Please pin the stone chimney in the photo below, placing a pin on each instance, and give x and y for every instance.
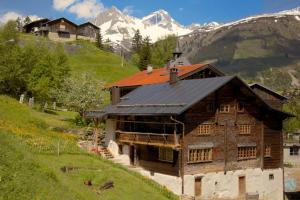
(173, 75)
(115, 95)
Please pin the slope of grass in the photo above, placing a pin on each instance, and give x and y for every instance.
(31, 165)
(85, 57)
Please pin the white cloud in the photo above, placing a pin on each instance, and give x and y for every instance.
(128, 10)
(86, 8)
(180, 9)
(9, 16)
(62, 4)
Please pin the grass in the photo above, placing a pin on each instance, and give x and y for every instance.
(103, 65)
(31, 167)
(85, 57)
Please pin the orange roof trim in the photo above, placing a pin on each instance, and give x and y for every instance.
(160, 75)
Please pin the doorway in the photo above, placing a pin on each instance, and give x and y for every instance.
(242, 185)
(198, 186)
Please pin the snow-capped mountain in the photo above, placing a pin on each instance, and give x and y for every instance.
(118, 26)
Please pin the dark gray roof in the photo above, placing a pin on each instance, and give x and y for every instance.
(171, 99)
(166, 99)
(257, 85)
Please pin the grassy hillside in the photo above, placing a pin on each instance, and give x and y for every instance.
(31, 166)
(85, 57)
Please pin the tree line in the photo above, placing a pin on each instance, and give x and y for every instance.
(145, 53)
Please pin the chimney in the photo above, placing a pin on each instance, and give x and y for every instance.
(149, 69)
(173, 75)
(115, 95)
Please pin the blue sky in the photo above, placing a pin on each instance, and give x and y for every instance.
(184, 11)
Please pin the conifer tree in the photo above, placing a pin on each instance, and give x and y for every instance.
(145, 54)
(19, 24)
(27, 20)
(99, 42)
(137, 41)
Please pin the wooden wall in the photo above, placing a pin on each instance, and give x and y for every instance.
(274, 138)
(87, 31)
(56, 27)
(225, 137)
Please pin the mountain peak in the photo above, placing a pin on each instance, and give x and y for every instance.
(161, 11)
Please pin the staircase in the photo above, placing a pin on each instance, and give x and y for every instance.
(105, 153)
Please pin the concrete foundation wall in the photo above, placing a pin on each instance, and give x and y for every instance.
(54, 36)
(220, 185)
(110, 137)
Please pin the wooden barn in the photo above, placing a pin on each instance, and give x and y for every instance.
(213, 137)
(87, 30)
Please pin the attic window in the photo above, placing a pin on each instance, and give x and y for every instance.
(224, 108)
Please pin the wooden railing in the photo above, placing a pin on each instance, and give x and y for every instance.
(154, 139)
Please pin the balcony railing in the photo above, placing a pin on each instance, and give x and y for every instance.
(153, 139)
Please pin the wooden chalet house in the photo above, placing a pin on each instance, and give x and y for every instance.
(62, 29)
(213, 137)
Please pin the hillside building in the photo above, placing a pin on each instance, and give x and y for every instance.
(209, 138)
(62, 30)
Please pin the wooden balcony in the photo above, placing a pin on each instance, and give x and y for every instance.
(152, 139)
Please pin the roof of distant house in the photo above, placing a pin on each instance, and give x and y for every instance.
(262, 87)
(44, 20)
(161, 75)
(89, 23)
(62, 18)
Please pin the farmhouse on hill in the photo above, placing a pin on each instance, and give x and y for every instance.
(211, 138)
(62, 29)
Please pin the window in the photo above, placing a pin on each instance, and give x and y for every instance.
(205, 129)
(62, 27)
(294, 151)
(271, 176)
(210, 107)
(240, 107)
(268, 151)
(224, 108)
(200, 155)
(165, 154)
(244, 129)
(246, 153)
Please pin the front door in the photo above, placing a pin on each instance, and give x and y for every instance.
(198, 186)
(242, 185)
